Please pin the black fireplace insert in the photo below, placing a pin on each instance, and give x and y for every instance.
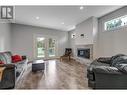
(84, 53)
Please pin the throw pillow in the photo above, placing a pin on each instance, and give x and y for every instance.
(16, 58)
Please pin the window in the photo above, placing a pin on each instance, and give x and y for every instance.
(115, 23)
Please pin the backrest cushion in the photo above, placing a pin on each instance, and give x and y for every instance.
(9, 53)
(2, 58)
(114, 59)
(8, 57)
(120, 60)
(5, 57)
(121, 63)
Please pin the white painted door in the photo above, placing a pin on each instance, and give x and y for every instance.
(45, 47)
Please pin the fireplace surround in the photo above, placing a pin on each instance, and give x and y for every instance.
(84, 51)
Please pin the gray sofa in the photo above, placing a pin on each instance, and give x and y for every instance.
(13, 71)
(108, 73)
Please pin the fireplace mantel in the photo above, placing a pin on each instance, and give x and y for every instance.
(83, 60)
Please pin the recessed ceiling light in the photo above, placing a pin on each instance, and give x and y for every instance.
(62, 23)
(37, 17)
(81, 8)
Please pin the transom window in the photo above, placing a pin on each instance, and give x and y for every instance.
(116, 23)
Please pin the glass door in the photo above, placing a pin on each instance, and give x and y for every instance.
(40, 47)
(45, 47)
(51, 47)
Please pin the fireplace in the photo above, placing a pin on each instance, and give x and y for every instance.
(83, 52)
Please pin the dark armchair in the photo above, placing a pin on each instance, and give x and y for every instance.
(68, 53)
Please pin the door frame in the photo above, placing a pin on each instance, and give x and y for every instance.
(46, 53)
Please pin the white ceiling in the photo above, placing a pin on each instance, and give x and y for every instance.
(54, 16)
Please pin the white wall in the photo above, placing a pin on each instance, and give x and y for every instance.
(5, 37)
(95, 38)
(72, 42)
(89, 28)
(112, 42)
(84, 28)
(22, 39)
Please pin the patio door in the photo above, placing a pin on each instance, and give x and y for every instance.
(45, 47)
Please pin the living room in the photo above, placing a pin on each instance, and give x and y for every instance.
(45, 33)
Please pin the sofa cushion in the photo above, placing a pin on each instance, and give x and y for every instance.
(120, 60)
(7, 55)
(115, 58)
(104, 60)
(20, 66)
(106, 70)
(3, 58)
(94, 64)
(122, 67)
(121, 63)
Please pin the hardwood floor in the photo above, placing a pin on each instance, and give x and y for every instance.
(57, 75)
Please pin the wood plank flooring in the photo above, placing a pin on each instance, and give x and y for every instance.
(57, 75)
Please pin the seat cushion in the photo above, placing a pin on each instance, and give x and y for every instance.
(106, 70)
(20, 66)
(122, 68)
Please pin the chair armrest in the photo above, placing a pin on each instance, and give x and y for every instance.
(104, 60)
(106, 70)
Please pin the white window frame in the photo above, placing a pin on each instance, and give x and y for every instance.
(122, 25)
